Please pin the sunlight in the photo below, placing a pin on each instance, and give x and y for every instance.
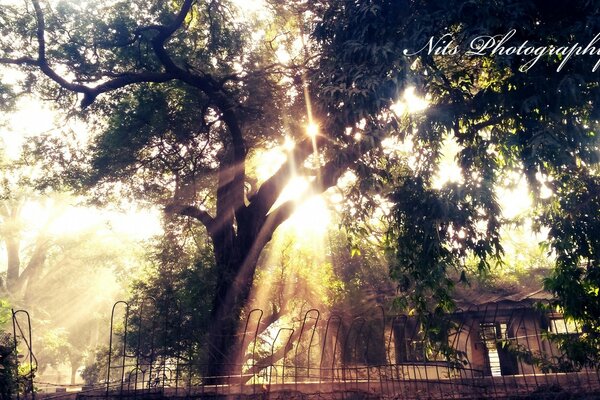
(251, 6)
(311, 219)
(448, 168)
(257, 10)
(294, 189)
(268, 162)
(312, 130)
(63, 219)
(288, 144)
(31, 118)
(410, 103)
(311, 216)
(516, 200)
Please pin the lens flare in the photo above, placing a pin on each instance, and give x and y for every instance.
(312, 129)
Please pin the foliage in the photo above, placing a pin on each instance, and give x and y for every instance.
(575, 280)
(95, 371)
(63, 271)
(8, 359)
(541, 123)
(169, 307)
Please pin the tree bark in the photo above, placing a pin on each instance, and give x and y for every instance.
(234, 283)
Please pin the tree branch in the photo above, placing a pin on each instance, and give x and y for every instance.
(269, 191)
(179, 19)
(205, 83)
(19, 61)
(190, 211)
(222, 100)
(272, 359)
(90, 93)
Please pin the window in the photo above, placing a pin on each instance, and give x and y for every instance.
(560, 325)
(490, 335)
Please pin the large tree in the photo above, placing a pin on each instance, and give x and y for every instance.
(183, 94)
(192, 97)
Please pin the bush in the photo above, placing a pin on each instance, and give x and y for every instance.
(8, 367)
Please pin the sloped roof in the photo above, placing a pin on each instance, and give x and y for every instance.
(528, 289)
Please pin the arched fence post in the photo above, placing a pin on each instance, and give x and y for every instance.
(25, 336)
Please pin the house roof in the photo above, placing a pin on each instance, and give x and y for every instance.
(526, 289)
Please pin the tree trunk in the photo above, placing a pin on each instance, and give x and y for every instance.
(234, 285)
(25, 283)
(14, 262)
(73, 373)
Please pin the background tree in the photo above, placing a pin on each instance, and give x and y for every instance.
(540, 123)
(63, 271)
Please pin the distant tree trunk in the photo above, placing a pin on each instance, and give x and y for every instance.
(75, 360)
(14, 262)
(33, 271)
(73, 373)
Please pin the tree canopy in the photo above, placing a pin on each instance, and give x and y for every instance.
(182, 95)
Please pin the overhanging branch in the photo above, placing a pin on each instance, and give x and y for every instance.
(190, 211)
(89, 92)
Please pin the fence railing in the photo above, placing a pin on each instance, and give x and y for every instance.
(22, 379)
(489, 351)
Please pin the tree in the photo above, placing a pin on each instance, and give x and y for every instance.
(534, 115)
(182, 98)
(24, 265)
(169, 306)
(187, 122)
(54, 265)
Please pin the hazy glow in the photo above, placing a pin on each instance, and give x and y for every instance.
(410, 103)
(293, 190)
(283, 56)
(448, 169)
(268, 162)
(311, 216)
(515, 201)
(289, 144)
(311, 219)
(251, 6)
(70, 220)
(32, 118)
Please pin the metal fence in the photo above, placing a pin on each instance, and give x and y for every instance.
(494, 350)
(25, 364)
